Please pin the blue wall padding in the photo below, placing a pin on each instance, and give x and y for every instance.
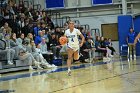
(101, 2)
(137, 30)
(124, 24)
(54, 3)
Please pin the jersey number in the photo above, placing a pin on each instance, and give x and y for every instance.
(72, 40)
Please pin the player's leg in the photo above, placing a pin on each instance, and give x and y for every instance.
(130, 51)
(69, 60)
(76, 55)
(134, 52)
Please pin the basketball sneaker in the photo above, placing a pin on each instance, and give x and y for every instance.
(31, 68)
(39, 68)
(69, 72)
(10, 63)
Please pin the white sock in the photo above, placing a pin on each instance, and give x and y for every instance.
(69, 69)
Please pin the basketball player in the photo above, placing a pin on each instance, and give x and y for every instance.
(73, 44)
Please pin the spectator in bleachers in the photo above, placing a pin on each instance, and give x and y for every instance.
(37, 28)
(45, 35)
(102, 42)
(27, 28)
(21, 21)
(24, 55)
(58, 33)
(111, 47)
(21, 39)
(7, 28)
(84, 52)
(90, 46)
(54, 45)
(33, 51)
(8, 52)
(3, 32)
(39, 50)
(99, 48)
(43, 46)
(6, 14)
(38, 38)
(14, 44)
(21, 7)
(36, 16)
(15, 8)
(44, 26)
(15, 25)
(6, 38)
(37, 55)
(83, 31)
(49, 22)
(29, 37)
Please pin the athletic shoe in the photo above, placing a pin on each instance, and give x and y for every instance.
(53, 65)
(39, 68)
(69, 72)
(10, 63)
(31, 68)
(111, 56)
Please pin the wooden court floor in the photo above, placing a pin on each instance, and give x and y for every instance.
(114, 77)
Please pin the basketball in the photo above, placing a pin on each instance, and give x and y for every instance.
(63, 40)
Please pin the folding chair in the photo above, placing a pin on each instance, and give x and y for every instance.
(124, 51)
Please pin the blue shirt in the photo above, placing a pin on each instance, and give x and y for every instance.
(131, 37)
(38, 39)
(97, 44)
(36, 30)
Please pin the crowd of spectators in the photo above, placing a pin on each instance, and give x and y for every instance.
(22, 26)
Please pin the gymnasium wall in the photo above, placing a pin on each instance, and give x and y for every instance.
(96, 21)
(124, 23)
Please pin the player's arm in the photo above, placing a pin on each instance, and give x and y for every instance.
(83, 39)
(136, 39)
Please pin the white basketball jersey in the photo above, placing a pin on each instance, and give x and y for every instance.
(73, 37)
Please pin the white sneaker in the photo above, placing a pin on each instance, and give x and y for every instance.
(55, 57)
(108, 59)
(39, 68)
(49, 66)
(54, 65)
(86, 60)
(69, 72)
(31, 68)
(44, 63)
(111, 56)
(10, 63)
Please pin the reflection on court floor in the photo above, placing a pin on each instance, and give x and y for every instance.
(113, 77)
